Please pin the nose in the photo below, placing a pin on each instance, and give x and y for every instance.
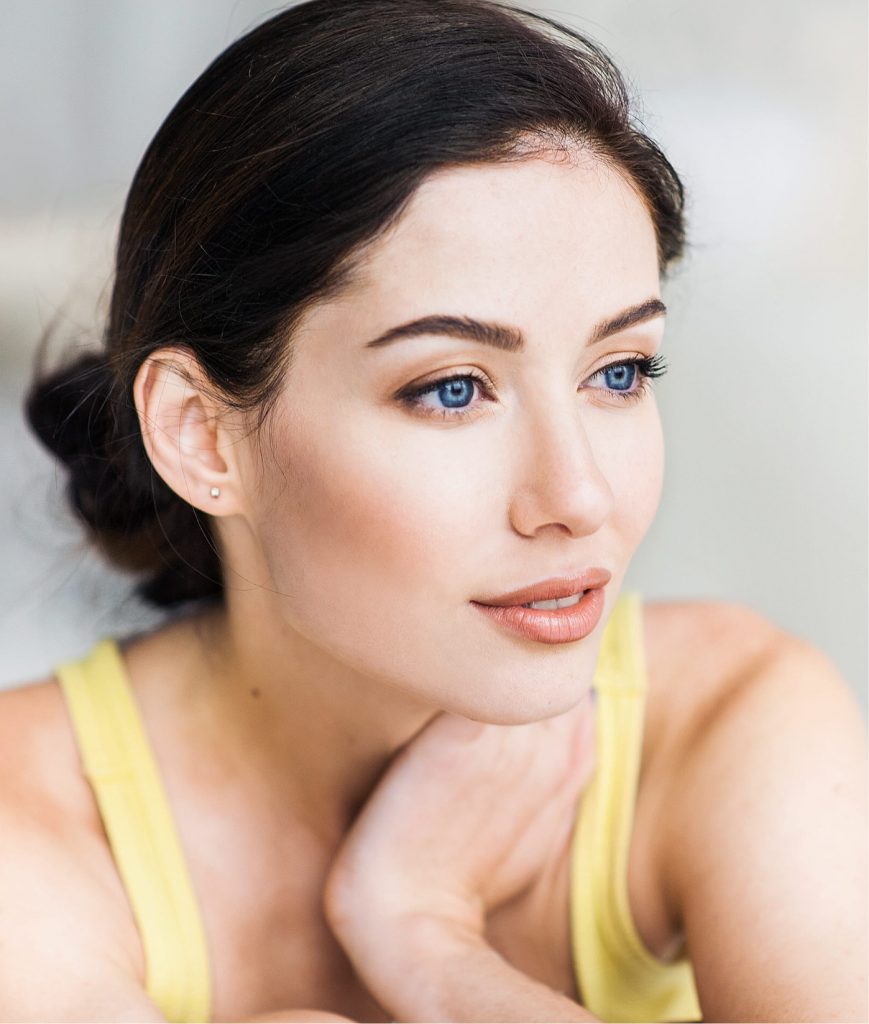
(562, 486)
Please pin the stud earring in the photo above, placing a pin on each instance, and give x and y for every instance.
(215, 492)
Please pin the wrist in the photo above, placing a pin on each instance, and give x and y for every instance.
(427, 956)
(397, 925)
(438, 956)
(406, 960)
(450, 973)
(427, 967)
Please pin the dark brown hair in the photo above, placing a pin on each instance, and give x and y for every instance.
(298, 145)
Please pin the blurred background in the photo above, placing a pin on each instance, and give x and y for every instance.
(762, 107)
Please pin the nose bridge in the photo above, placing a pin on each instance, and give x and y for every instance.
(561, 480)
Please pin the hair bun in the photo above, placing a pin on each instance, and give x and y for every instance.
(80, 414)
(70, 409)
(68, 402)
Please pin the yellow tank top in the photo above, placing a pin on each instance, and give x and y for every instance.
(619, 980)
(118, 763)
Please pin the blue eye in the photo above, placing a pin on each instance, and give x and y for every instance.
(619, 376)
(627, 380)
(455, 392)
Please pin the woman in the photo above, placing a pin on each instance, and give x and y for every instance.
(376, 381)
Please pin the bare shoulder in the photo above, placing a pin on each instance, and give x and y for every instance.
(37, 754)
(62, 905)
(706, 660)
(697, 653)
(701, 657)
(43, 782)
(756, 734)
(720, 674)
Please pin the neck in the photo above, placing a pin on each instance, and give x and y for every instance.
(315, 733)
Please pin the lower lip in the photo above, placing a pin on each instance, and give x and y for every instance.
(550, 625)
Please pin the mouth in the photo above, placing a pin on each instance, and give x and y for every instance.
(559, 602)
(551, 594)
(550, 621)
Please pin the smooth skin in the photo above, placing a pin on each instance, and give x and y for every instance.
(299, 727)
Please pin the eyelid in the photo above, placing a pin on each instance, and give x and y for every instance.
(618, 359)
(647, 368)
(468, 371)
(451, 374)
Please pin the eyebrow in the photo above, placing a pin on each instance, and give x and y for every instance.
(510, 339)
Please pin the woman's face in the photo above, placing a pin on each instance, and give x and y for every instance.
(380, 521)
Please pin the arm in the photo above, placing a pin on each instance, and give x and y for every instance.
(764, 848)
(58, 961)
(461, 822)
(87, 986)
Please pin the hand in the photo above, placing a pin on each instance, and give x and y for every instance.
(465, 818)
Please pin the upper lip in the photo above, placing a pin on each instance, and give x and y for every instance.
(549, 590)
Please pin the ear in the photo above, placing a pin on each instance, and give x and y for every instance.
(187, 433)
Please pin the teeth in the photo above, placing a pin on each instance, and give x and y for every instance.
(561, 602)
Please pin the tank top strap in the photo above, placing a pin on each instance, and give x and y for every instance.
(120, 767)
(618, 977)
(621, 664)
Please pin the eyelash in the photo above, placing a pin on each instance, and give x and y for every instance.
(648, 368)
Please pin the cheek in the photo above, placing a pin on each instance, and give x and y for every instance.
(373, 509)
(357, 513)
(631, 458)
(366, 539)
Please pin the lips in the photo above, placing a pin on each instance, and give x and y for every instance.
(551, 589)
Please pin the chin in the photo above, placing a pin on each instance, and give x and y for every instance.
(530, 703)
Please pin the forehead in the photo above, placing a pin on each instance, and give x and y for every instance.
(533, 224)
(550, 246)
